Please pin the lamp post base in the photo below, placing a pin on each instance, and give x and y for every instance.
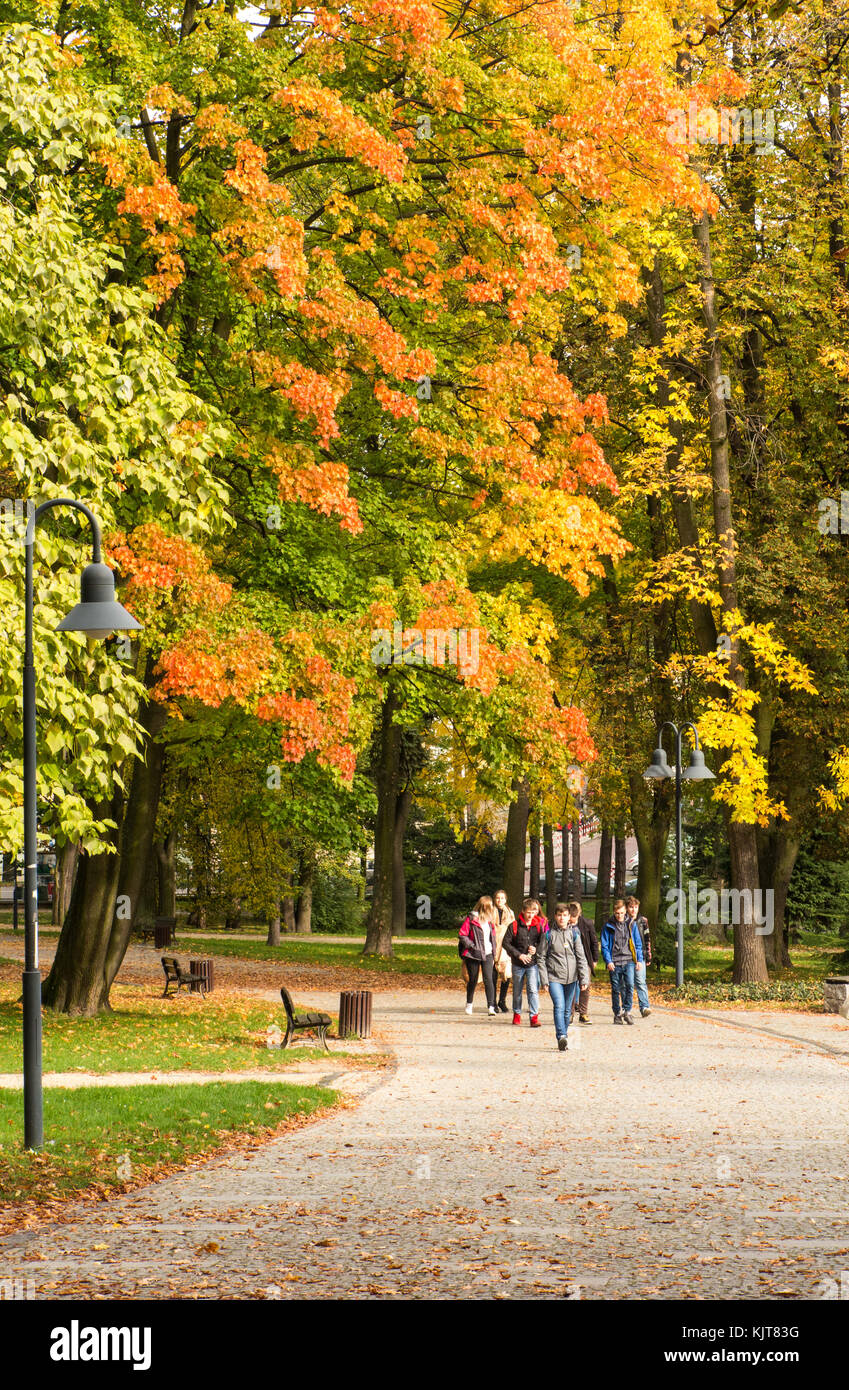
(33, 1112)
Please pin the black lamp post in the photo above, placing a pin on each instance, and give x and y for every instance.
(696, 772)
(97, 614)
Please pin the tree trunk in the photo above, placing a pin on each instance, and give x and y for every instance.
(565, 881)
(304, 917)
(361, 882)
(289, 912)
(602, 901)
(201, 878)
(681, 500)
(749, 957)
(66, 868)
(137, 834)
(399, 877)
(777, 861)
(620, 872)
(273, 938)
(514, 847)
(550, 876)
(379, 927)
(146, 910)
(577, 886)
(651, 845)
(107, 889)
(835, 166)
(77, 983)
(651, 816)
(166, 858)
(533, 877)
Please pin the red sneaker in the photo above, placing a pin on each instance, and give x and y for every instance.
(517, 1019)
(535, 1023)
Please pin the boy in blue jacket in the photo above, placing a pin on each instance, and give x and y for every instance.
(621, 947)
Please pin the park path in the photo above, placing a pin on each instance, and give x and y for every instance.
(349, 1082)
(695, 1155)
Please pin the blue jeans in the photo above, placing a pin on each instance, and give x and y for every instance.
(621, 988)
(561, 998)
(638, 981)
(521, 975)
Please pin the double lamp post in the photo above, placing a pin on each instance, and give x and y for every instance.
(98, 614)
(696, 772)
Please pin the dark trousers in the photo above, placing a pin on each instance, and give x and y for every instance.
(486, 968)
(621, 989)
(502, 993)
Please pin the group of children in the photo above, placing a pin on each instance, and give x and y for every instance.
(560, 957)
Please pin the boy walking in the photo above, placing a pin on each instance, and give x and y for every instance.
(562, 965)
(621, 946)
(639, 968)
(589, 941)
(522, 941)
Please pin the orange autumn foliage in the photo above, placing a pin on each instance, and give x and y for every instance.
(211, 666)
(160, 569)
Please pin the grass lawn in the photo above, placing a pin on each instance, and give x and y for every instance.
(109, 1138)
(226, 1032)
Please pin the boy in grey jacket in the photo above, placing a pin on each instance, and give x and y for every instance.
(562, 968)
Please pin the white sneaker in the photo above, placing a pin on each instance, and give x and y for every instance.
(468, 1008)
(492, 1009)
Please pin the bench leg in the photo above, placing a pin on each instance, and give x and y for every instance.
(322, 1033)
(166, 989)
(288, 1037)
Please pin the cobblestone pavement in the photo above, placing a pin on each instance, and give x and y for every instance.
(696, 1155)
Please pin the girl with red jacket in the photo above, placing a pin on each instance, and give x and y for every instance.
(522, 941)
(477, 947)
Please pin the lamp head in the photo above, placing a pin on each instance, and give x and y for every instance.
(659, 767)
(98, 613)
(697, 772)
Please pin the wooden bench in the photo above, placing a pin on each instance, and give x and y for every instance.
(318, 1023)
(176, 974)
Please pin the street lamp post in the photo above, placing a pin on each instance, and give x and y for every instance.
(696, 772)
(97, 614)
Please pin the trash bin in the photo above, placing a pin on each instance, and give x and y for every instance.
(163, 932)
(203, 968)
(355, 1013)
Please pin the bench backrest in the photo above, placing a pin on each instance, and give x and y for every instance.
(287, 1004)
(171, 966)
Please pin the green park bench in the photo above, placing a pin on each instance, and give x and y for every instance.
(314, 1022)
(176, 974)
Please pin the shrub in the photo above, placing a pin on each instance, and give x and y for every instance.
(722, 992)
